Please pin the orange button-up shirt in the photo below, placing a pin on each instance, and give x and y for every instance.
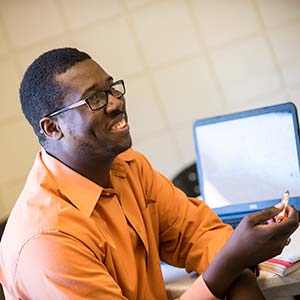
(69, 238)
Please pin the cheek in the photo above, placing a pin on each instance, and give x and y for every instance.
(71, 126)
(76, 120)
(84, 125)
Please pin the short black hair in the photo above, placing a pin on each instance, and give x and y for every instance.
(40, 93)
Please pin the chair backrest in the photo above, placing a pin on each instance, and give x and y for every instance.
(187, 180)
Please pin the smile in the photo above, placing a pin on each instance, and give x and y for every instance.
(120, 125)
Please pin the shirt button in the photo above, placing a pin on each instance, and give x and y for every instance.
(108, 192)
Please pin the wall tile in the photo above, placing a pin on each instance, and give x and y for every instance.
(185, 141)
(286, 44)
(18, 150)
(79, 13)
(279, 11)
(138, 3)
(144, 113)
(162, 153)
(30, 21)
(9, 86)
(187, 91)
(223, 21)
(161, 34)
(246, 70)
(165, 32)
(3, 43)
(27, 56)
(292, 74)
(274, 97)
(112, 46)
(295, 96)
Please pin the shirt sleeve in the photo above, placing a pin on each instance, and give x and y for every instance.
(190, 233)
(62, 267)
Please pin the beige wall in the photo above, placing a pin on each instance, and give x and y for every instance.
(181, 60)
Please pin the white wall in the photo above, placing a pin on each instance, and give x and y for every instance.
(181, 60)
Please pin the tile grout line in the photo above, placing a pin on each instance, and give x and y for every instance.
(149, 74)
(208, 59)
(270, 47)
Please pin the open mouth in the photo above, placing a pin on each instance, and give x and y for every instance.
(120, 125)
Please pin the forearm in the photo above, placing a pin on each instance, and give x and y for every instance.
(243, 287)
(217, 279)
(226, 276)
(222, 272)
(198, 291)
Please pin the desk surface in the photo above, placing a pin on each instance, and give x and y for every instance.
(273, 286)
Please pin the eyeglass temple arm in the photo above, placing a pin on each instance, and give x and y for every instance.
(74, 105)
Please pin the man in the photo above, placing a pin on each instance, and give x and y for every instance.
(95, 219)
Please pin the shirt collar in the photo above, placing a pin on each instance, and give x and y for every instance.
(82, 192)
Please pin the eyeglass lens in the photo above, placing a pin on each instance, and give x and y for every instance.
(99, 99)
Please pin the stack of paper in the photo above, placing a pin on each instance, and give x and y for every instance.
(288, 261)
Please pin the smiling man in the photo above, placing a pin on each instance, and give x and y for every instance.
(94, 219)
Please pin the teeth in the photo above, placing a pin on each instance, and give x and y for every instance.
(120, 124)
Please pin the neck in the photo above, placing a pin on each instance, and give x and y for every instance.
(96, 170)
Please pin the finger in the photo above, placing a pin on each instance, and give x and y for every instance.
(288, 241)
(265, 214)
(291, 215)
(279, 205)
(270, 221)
(286, 227)
(291, 211)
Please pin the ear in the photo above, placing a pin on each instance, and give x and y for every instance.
(51, 128)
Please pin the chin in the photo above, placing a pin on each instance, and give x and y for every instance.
(127, 145)
(123, 145)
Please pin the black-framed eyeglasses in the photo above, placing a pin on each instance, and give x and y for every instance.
(97, 100)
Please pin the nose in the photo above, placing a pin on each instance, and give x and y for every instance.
(114, 104)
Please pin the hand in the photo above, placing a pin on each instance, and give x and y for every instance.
(253, 242)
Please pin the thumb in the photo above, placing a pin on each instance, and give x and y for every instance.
(267, 213)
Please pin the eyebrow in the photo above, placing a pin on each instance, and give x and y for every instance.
(94, 87)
